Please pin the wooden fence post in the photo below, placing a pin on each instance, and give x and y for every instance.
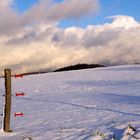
(7, 110)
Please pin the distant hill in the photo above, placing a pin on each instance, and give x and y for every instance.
(78, 67)
(68, 68)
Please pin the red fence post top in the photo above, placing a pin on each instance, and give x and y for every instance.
(19, 76)
(19, 114)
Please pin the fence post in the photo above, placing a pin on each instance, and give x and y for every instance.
(7, 110)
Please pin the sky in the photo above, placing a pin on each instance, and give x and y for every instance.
(36, 35)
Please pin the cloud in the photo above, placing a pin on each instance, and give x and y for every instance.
(73, 9)
(124, 21)
(9, 20)
(66, 9)
(5, 3)
(43, 11)
(48, 46)
(37, 44)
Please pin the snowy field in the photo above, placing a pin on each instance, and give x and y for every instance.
(94, 104)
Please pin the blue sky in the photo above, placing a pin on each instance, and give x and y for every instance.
(107, 8)
(23, 5)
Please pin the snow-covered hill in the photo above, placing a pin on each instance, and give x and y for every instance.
(90, 104)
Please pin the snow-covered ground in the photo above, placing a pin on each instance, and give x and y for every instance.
(92, 104)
